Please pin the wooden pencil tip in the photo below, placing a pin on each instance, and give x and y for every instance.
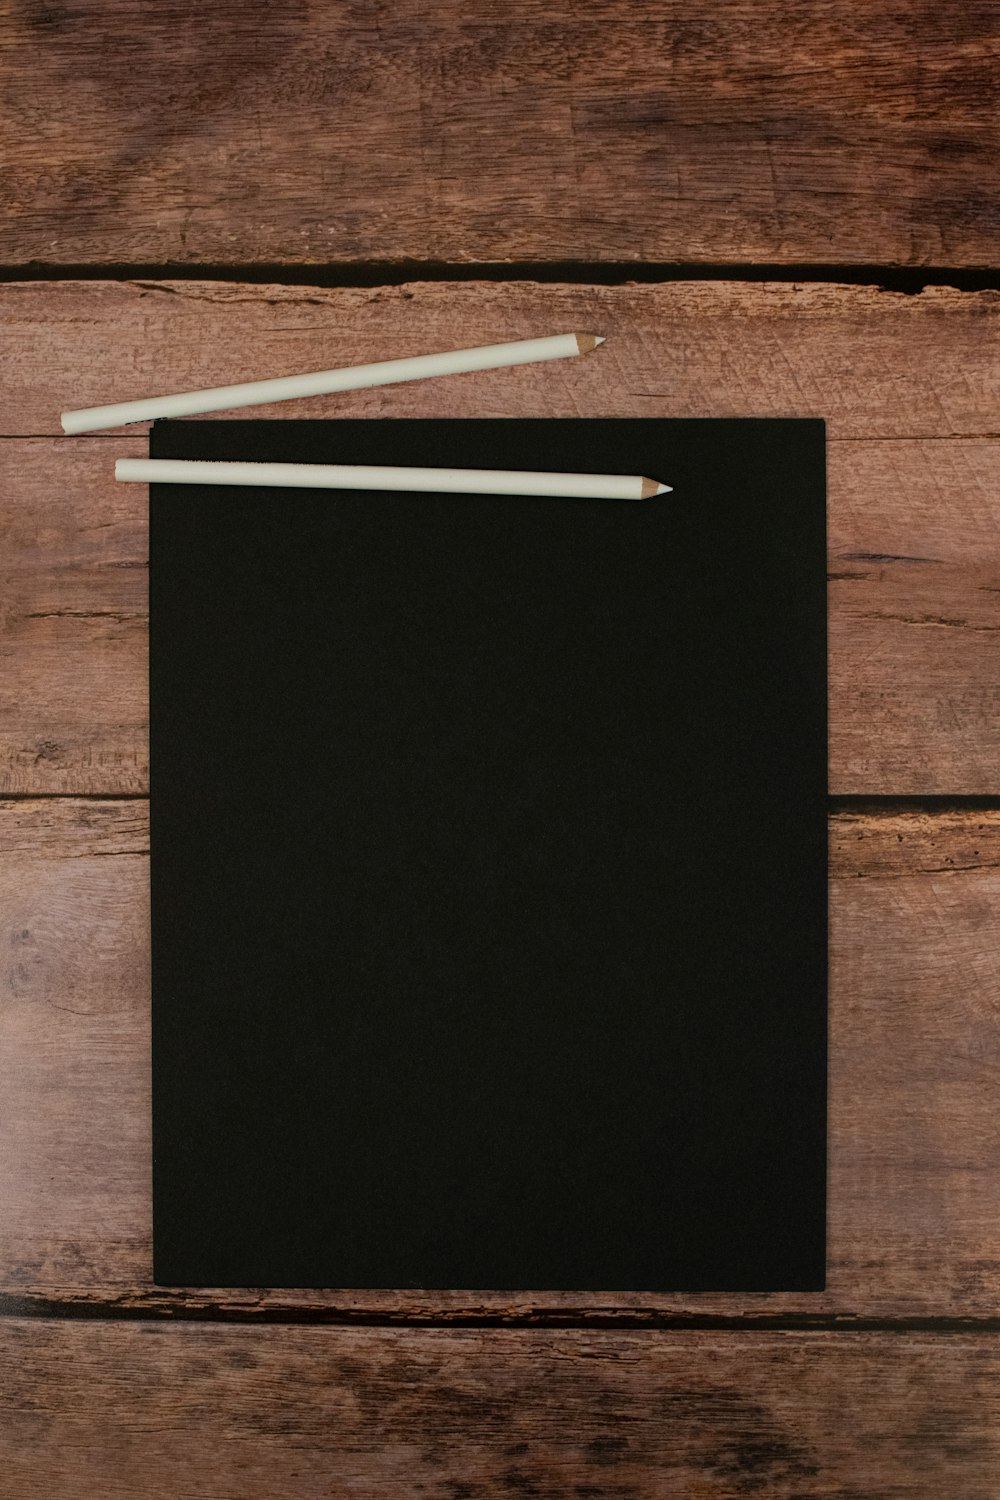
(651, 487)
(587, 341)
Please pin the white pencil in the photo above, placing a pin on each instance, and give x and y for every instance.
(324, 382)
(376, 477)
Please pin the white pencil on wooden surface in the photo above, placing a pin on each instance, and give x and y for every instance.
(325, 382)
(377, 477)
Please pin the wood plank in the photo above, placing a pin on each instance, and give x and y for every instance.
(73, 626)
(875, 364)
(914, 1190)
(319, 133)
(914, 617)
(138, 1410)
(915, 605)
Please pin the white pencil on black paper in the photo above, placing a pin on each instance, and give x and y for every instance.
(378, 477)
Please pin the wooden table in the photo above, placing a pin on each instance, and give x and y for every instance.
(195, 194)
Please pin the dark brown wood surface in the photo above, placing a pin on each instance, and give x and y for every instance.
(429, 130)
(120, 1410)
(909, 387)
(348, 135)
(914, 1190)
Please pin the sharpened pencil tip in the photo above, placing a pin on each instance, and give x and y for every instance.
(665, 489)
(587, 341)
(599, 338)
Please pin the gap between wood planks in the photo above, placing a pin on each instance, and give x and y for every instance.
(191, 1305)
(841, 802)
(182, 1306)
(909, 280)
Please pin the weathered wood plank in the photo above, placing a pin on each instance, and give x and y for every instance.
(914, 1052)
(875, 364)
(311, 132)
(914, 520)
(136, 1410)
(914, 668)
(914, 618)
(73, 620)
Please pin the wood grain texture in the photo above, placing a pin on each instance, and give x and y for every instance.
(73, 620)
(317, 132)
(146, 1412)
(914, 1186)
(874, 364)
(909, 387)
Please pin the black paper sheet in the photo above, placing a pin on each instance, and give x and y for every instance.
(489, 863)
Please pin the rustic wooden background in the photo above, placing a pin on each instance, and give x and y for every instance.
(193, 194)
